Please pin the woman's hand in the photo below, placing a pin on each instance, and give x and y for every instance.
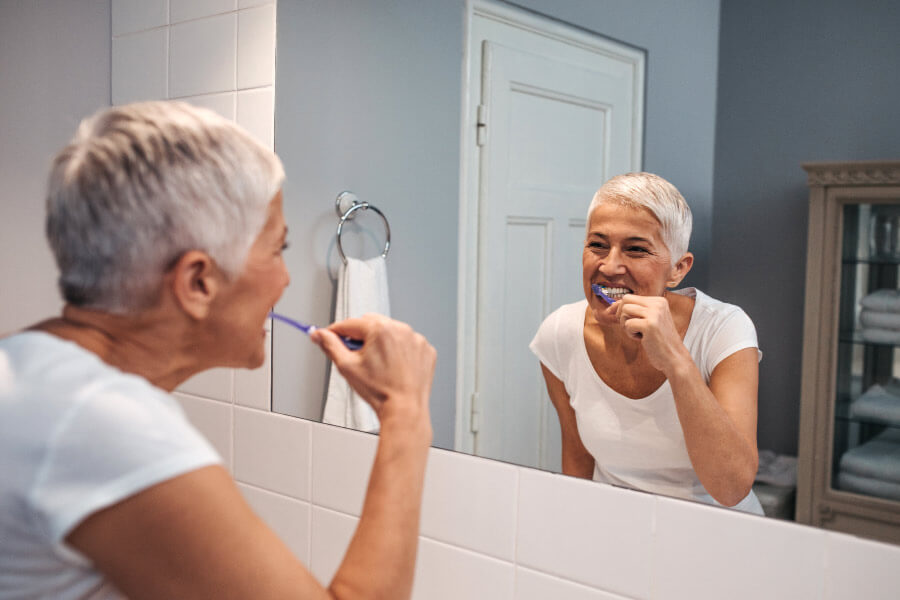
(649, 319)
(392, 371)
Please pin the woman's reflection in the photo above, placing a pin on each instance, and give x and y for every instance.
(656, 390)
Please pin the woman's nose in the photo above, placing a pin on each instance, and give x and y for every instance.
(612, 263)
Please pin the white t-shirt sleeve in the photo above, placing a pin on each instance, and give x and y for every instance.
(108, 446)
(734, 331)
(544, 345)
(557, 340)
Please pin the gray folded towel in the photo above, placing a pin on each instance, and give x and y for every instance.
(777, 469)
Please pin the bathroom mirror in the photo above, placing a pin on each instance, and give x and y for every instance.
(370, 98)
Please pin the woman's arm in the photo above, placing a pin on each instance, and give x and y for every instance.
(576, 460)
(194, 536)
(719, 423)
(718, 420)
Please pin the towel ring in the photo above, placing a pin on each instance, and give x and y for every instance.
(347, 214)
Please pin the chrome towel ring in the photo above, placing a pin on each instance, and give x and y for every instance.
(346, 204)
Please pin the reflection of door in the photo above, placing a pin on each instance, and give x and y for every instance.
(554, 121)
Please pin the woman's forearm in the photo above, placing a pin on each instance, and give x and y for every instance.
(380, 559)
(723, 458)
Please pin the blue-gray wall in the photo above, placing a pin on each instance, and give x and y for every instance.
(368, 98)
(799, 81)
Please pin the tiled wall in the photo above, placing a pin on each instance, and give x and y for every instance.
(219, 54)
(489, 530)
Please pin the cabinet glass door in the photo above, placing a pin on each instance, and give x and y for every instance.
(866, 456)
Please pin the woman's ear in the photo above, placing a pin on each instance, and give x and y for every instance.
(681, 268)
(195, 283)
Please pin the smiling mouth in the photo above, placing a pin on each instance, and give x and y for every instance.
(614, 293)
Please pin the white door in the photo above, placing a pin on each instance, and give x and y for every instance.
(553, 123)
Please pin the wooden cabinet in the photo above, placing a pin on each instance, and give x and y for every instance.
(849, 445)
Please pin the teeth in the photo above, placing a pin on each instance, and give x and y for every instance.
(615, 292)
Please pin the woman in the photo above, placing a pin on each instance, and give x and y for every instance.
(166, 223)
(655, 390)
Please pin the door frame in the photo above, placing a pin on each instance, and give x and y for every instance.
(470, 180)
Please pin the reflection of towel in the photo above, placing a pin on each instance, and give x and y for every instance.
(870, 486)
(878, 404)
(362, 288)
(777, 469)
(879, 319)
(881, 336)
(883, 300)
(879, 458)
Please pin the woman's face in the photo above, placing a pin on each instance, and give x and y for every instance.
(243, 306)
(623, 251)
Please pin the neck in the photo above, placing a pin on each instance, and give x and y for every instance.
(140, 344)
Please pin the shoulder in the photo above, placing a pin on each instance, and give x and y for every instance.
(711, 314)
(566, 316)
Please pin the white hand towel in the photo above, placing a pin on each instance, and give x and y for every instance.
(878, 404)
(884, 300)
(881, 336)
(362, 288)
(877, 319)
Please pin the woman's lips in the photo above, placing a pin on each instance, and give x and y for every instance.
(615, 292)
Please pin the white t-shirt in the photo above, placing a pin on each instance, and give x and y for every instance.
(76, 436)
(639, 443)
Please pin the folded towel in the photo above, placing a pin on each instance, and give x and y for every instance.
(777, 469)
(879, 404)
(881, 336)
(869, 486)
(362, 288)
(878, 319)
(879, 458)
(883, 300)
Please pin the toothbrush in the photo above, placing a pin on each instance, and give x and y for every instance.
(598, 290)
(307, 329)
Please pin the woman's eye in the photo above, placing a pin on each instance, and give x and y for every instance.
(285, 246)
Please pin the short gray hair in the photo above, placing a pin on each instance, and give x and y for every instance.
(655, 194)
(141, 184)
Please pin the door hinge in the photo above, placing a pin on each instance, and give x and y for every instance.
(475, 414)
(481, 126)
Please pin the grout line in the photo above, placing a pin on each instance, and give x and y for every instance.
(219, 92)
(169, 22)
(518, 488)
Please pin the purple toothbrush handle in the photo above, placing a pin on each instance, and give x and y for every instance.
(599, 292)
(352, 344)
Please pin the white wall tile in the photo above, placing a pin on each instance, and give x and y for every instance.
(249, 3)
(341, 461)
(256, 47)
(129, 16)
(331, 534)
(588, 532)
(213, 419)
(271, 451)
(215, 384)
(288, 518)
(858, 568)
(223, 104)
(139, 68)
(252, 387)
(202, 56)
(256, 114)
(182, 10)
(721, 553)
(471, 502)
(445, 572)
(531, 585)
